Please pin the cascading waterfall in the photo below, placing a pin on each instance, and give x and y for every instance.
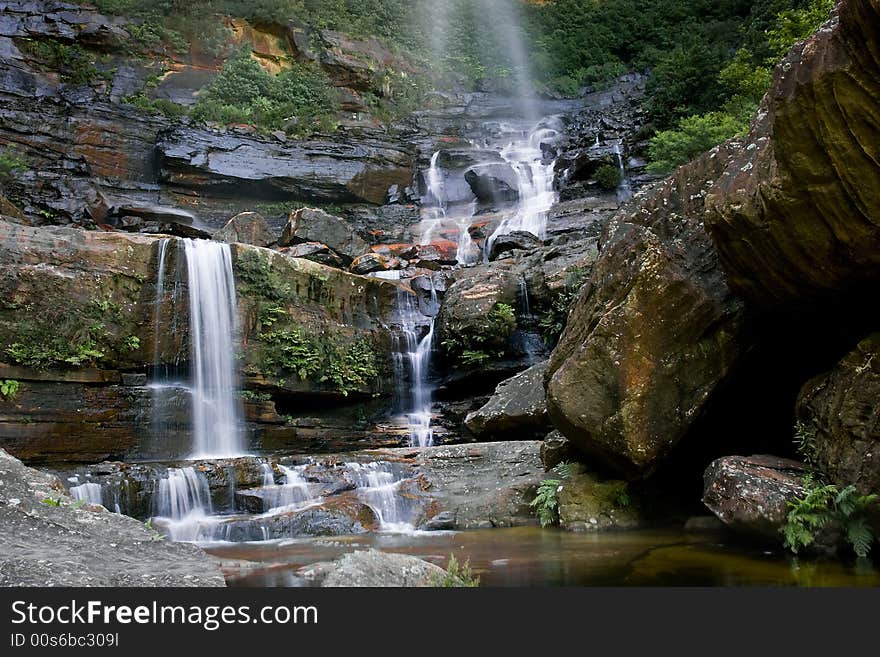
(624, 190)
(526, 311)
(377, 486)
(412, 359)
(89, 492)
(534, 181)
(183, 503)
(216, 410)
(294, 493)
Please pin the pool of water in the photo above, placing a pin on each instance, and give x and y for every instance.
(530, 556)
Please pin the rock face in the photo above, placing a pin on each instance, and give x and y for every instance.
(751, 494)
(588, 503)
(840, 416)
(55, 544)
(373, 568)
(481, 486)
(247, 228)
(795, 215)
(322, 171)
(518, 407)
(313, 225)
(518, 240)
(654, 333)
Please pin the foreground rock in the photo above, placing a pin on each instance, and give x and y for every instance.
(313, 225)
(839, 413)
(55, 544)
(373, 568)
(518, 407)
(654, 333)
(751, 494)
(795, 215)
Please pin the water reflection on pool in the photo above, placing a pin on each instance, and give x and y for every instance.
(530, 556)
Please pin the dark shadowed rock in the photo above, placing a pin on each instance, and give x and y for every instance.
(751, 494)
(489, 188)
(654, 332)
(840, 415)
(519, 240)
(57, 544)
(368, 263)
(795, 214)
(555, 449)
(313, 225)
(518, 407)
(316, 252)
(247, 228)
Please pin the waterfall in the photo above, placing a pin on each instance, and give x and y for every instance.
(412, 359)
(377, 487)
(526, 311)
(89, 492)
(435, 180)
(183, 503)
(534, 181)
(216, 405)
(294, 493)
(624, 190)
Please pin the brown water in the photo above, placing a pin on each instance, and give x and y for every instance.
(531, 556)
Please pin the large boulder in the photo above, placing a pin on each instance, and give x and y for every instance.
(47, 540)
(247, 228)
(751, 494)
(654, 333)
(518, 240)
(518, 407)
(314, 225)
(839, 412)
(794, 216)
(492, 183)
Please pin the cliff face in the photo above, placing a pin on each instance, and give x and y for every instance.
(788, 219)
(795, 216)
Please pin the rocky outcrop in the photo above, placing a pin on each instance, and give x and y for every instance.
(751, 494)
(46, 540)
(247, 228)
(839, 416)
(518, 407)
(655, 332)
(313, 225)
(327, 171)
(519, 240)
(794, 216)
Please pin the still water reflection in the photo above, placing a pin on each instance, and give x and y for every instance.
(531, 556)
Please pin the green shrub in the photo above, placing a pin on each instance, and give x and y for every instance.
(75, 64)
(474, 343)
(826, 507)
(10, 164)
(157, 105)
(546, 501)
(608, 177)
(693, 136)
(553, 321)
(9, 389)
(296, 100)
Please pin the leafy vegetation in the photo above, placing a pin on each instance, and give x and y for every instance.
(805, 442)
(472, 344)
(825, 507)
(296, 100)
(75, 64)
(553, 321)
(456, 575)
(546, 501)
(10, 164)
(157, 105)
(9, 389)
(608, 176)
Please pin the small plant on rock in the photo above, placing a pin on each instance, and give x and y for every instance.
(456, 575)
(9, 389)
(546, 500)
(825, 506)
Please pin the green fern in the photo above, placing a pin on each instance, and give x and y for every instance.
(827, 506)
(546, 502)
